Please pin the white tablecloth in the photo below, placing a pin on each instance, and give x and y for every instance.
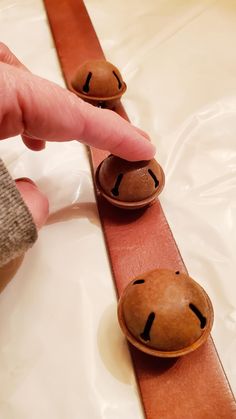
(62, 355)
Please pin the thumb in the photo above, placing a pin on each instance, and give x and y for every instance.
(34, 199)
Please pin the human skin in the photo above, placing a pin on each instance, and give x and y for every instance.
(42, 111)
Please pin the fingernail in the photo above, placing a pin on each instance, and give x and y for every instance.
(25, 179)
(145, 135)
(152, 147)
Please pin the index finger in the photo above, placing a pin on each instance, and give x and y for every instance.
(55, 114)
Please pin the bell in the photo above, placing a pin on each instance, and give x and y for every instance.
(99, 83)
(129, 185)
(165, 313)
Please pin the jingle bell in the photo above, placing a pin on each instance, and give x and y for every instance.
(129, 185)
(165, 313)
(99, 83)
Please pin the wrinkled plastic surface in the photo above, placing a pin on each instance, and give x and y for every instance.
(62, 354)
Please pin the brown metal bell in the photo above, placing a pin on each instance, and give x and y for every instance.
(99, 83)
(128, 184)
(165, 313)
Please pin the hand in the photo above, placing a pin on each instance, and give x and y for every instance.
(41, 111)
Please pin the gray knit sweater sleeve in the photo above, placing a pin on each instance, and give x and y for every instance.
(17, 229)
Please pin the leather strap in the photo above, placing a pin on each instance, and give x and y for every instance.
(195, 385)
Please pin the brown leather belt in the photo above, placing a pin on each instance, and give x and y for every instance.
(193, 386)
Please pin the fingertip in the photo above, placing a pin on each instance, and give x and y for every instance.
(148, 149)
(144, 150)
(33, 143)
(134, 147)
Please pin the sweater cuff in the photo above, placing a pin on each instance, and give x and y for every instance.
(18, 231)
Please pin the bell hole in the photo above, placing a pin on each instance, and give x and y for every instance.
(145, 335)
(115, 190)
(138, 281)
(117, 78)
(86, 84)
(199, 315)
(156, 181)
(177, 272)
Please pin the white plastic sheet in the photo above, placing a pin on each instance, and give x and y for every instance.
(61, 352)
